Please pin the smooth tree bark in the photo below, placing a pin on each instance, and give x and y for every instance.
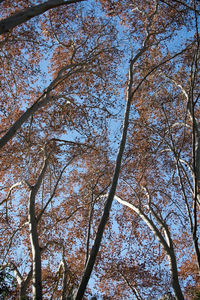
(36, 251)
(24, 285)
(95, 249)
(195, 144)
(165, 240)
(139, 66)
(31, 12)
(33, 223)
(24, 282)
(64, 279)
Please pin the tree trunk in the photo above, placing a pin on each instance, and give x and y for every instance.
(37, 275)
(166, 243)
(174, 276)
(36, 252)
(197, 252)
(105, 216)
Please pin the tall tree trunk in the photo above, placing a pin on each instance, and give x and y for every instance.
(37, 275)
(64, 280)
(94, 251)
(36, 252)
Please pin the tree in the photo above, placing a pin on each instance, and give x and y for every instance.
(173, 140)
(56, 131)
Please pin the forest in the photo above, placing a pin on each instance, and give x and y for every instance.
(100, 149)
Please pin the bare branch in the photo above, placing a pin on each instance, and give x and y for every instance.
(133, 288)
(10, 190)
(165, 242)
(54, 190)
(182, 3)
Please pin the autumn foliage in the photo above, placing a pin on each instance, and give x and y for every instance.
(99, 149)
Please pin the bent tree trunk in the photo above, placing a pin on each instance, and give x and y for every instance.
(165, 241)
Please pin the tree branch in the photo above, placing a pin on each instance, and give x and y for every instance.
(166, 243)
(31, 12)
(54, 190)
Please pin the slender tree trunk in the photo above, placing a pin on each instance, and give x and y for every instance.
(23, 290)
(64, 281)
(22, 293)
(23, 284)
(105, 216)
(36, 251)
(37, 275)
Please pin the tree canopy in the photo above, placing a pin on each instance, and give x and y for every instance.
(99, 149)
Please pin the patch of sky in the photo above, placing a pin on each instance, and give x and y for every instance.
(115, 123)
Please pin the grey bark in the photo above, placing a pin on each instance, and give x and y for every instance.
(89, 228)
(169, 248)
(174, 275)
(195, 155)
(46, 97)
(31, 12)
(36, 253)
(165, 241)
(195, 146)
